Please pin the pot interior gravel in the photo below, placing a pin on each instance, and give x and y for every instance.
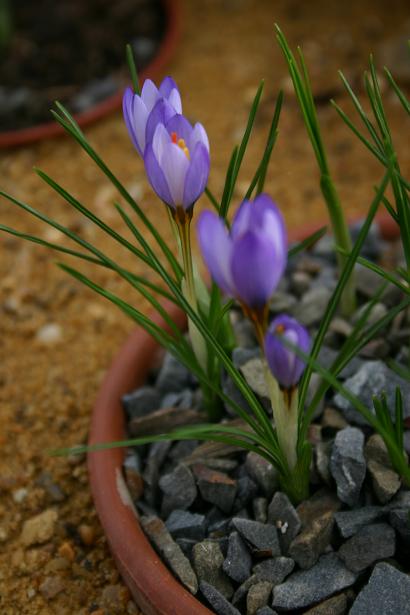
(216, 515)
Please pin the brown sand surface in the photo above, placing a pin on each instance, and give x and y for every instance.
(57, 338)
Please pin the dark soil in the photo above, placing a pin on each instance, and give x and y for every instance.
(73, 51)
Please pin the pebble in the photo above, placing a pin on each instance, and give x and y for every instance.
(53, 490)
(282, 302)
(258, 597)
(141, 402)
(253, 372)
(307, 587)
(314, 539)
(266, 610)
(183, 400)
(370, 544)
(51, 587)
(349, 522)
(386, 482)
(262, 472)
(114, 597)
(262, 537)
(87, 534)
(238, 562)
(208, 559)
(322, 461)
(348, 465)
(179, 489)
(260, 509)
(388, 591)
(185, 524)
(310, 309)
(217, 601)
(274, 570)
(240, 355)
(39, 529)
(246, 492)
(215, 487)
(300, 282)
(170, 551)
(337, 605)
(133, 478)
(20, 495)
(282, 514)
(173, 376)
(49, 334)
(66, 551)
(373, 378)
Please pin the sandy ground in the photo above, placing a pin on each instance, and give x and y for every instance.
(57, 338)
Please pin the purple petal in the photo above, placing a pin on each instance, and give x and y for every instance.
(179, 124)
(197, 175)
(174, 99)
(216, 249)
(198, 136)
(160, 114)
(256, 269)
(156, 176)
(166, 87)
(127, 108)
(174, 164)
(241, 220)
(160, 140)
(149, 94)
(284, 364)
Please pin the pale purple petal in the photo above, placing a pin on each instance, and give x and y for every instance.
(149, 94)
(255, 269)
(197, 175)
(241, 220)
(160, 140)
(198, 135)
(174, 164)
(160, 114)
(127, 107)
(174, 99)
(156, 176)
(216, 249)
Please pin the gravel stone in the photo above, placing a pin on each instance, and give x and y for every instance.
(173, 377)
(307, 587)
(141, 402)
(370, 544)
(240, 355)
(282, 302)
(314, 539)
(262, 537)
(333, 606)
(263, 472)
(51, 587)
(309, 311)
(347, 464)
(179, 489)
(208, 560)
(170, 551)
(388, 591)
(266, 610)
(274, 570)
(184, 524)
(258, 597)
(282, 514)
(253, 372)
(183, 400)
(386, 482)
(215, 487)
(247, 490)
(217, 601)
(238, 562)
(260, 509)
(39, 529)
(349, 522)
(371, 379)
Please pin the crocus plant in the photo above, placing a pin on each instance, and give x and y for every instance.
(247, 260)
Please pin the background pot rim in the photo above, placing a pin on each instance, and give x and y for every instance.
(47, 130)
(154, 588)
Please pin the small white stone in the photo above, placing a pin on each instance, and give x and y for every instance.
(31, 592)
(20, 495)
(49, 333)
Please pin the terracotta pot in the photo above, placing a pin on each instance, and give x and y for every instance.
(154, 588)
(47, 130)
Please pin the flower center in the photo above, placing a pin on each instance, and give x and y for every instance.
(181, 143)
(280, 329)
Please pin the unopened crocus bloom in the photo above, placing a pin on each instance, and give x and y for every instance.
(248, 262)
(177, 162)
(283, 362)
(143, 112)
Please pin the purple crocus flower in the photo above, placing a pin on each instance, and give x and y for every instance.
(248, 262)
(284, 364)
(143, 112)
(177, 162)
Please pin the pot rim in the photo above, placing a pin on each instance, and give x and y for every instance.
(47, 130)
(153, 587)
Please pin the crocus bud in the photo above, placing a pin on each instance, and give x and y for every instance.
(143, 112)
(177, 162)
(248, 262)
(284, 364)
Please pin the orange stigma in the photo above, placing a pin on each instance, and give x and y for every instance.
(280, 329)
(181, 143)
